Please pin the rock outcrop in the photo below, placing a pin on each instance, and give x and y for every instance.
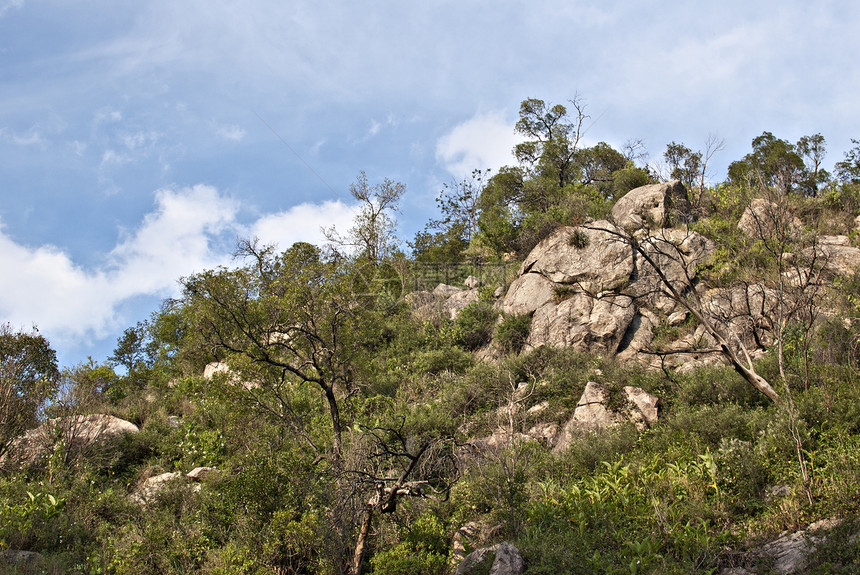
(593, 412)
(77, 432)
(653, 206)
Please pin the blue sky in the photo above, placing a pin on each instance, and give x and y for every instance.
(138, 139)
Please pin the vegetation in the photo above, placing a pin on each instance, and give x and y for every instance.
(339, 425)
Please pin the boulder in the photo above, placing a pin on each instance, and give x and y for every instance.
(200, 473)
(592, 412)
(764, 218)
(654, 205)
(20, 558)
(445, 290)
(153, 486)
(507, 560)
(677, 253)
(527, 293)
(589, 324)
(838, 255)
(457, 301)
(80, 432)
(590, 256)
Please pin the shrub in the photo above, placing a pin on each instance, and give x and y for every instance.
(474, 325)
(512, 332)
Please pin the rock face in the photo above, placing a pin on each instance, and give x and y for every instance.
(788, 553)
(445, 300)
(590, 256)
(583, 322)
(655, 205)
(593, 413)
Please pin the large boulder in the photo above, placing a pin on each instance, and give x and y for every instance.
(677, 253)
(584, 322)
(764, 218)
(838, 255)
(77, 432)
(591, 256)
(653, 206)
(527, 294)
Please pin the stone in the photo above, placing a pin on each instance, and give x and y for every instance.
(500, 291)
(508, 560)
(655, 205)
(456, 302)
(588, 324)
(527, 293)
(602, 262)
(763, 218)
(445, 290)
(838, 255)
(200, 473)
(152, 486)
(472, 282)
(643, 411)
(81, 431)
(18, 557)
(214, 368)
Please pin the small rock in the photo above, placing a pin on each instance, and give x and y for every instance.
(472, 282)
(200, 473)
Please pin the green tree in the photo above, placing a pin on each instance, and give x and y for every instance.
(281, 321)
(773, 162)
(28, 379)
(552, 138)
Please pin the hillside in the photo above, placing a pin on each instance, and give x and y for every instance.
(597, 373)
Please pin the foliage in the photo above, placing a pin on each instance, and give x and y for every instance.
(513, 332)
(28, 379)
(474, 325)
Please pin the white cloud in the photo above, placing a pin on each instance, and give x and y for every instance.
(483, 141)
(233, 132)
(302, 223)
(6, 5)
(190, 229)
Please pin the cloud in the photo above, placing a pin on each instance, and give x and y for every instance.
(483, 141)
(232, 132)
(190, 229)
(6, 5)
(302, 223)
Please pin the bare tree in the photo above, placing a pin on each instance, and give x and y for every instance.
(373, 229)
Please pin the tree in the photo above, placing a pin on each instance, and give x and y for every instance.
(459, 204)
(553, 137)
(684, 163)
(28, 379)
(373, 229)
(848, 170)
(813, 149)
(773, 162)
(283, 321)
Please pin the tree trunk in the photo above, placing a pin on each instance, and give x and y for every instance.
(361, 542)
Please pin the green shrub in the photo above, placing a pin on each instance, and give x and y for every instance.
(424, 551)
(474, 325)
(513, 332)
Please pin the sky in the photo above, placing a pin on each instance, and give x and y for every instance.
(139, 140)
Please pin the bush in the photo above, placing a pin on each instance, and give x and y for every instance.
(424, 551)
(512, 332)
(474, 325)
